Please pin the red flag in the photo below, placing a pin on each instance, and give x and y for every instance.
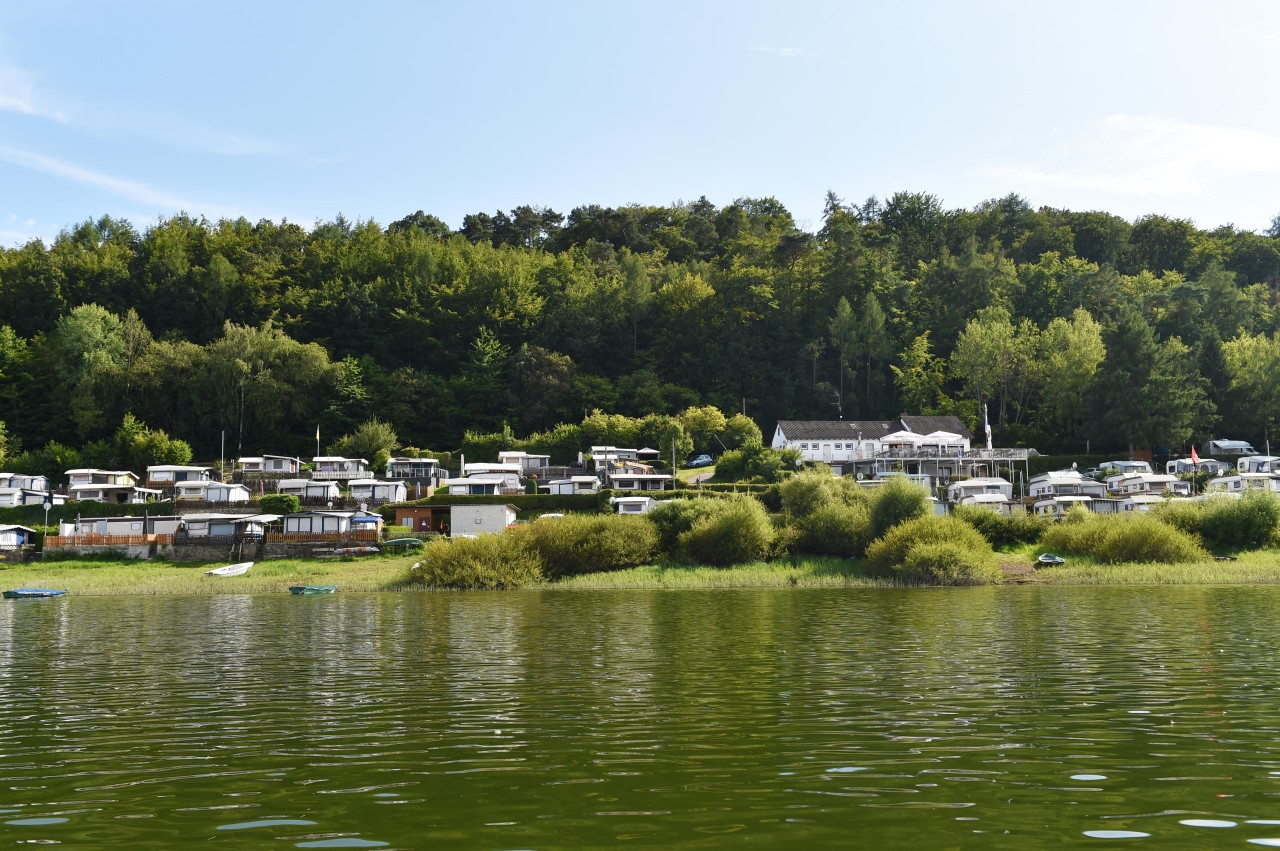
(1195, 459)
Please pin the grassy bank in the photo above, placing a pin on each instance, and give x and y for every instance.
(1259, 567)
(388, 573)
(803, 573)
(134, 578)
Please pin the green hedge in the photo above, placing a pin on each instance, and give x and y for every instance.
(33, 515)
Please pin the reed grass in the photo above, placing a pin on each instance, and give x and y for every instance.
(1260, 567)
(801, 573)
(149, 578)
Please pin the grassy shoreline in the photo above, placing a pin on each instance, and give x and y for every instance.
(390, 573)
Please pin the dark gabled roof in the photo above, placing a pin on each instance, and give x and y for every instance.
(836, 429)
(927, 425)
(870, 429)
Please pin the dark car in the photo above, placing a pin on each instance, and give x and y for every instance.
(700, 461)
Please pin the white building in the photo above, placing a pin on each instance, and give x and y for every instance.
(337, 468)
(1185, 466)
(1241, 482)
(10, 497)
(24, 482)
(633, 504)
(167, 475)
(215, 492)
(322, 522)
(309, 489)
(529, 465)
(966, 490)
(468, 521)
(281, 465)
(225, 525)
(573, 484)
(374, 492)
(1065, 483)
(639, 481)
(426, 470)
(120, 494)
(480, 485)
(1258, 464)
(1128, 484)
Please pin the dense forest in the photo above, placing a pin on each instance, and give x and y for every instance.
(1069, 326)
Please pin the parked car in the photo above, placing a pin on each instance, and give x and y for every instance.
(700, 461)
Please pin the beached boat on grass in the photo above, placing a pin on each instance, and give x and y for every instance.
(230, 569)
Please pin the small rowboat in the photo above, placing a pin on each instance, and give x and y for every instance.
(32, 593)
(354, 551)
(230, 569)
(312, 589)
(403, 542)
(1050, 558)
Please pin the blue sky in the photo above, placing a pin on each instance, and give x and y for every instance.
(307, 110)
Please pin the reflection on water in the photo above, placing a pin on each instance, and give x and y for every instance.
(962, 718)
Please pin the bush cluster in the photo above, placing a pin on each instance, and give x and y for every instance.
(896, 501)
(1003, 530)
(1226, 522)
(488, 562)
(935, 551)
(1114, 539)
(588, 543)
(735, 530)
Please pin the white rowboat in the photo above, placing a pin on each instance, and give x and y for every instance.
(230, 569)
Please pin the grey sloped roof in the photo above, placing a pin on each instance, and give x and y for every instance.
(870, 429)
(928, 425)
(836, 429)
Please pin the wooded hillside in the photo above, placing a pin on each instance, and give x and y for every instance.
(1073, 326)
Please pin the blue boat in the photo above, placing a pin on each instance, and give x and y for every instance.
(312, 589)
(32, 593)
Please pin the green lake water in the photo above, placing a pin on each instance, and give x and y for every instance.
(1022, 717)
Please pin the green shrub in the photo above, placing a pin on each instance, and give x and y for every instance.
(807, 491)
(737, 530)
(1113, 538)
(588, 543)
(279, 503)
(756, 463)
(835, 529)
(1003, 530)
(896, 501)
(674, 517)
(890, 553)
(1226, 522)
(488, 562)
(950, 564)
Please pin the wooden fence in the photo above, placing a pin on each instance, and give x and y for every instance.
(88, 540)
(320, 537)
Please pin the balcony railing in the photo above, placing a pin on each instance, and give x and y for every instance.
(339, 475)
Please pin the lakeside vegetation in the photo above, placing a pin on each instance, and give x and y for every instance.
(890, 535)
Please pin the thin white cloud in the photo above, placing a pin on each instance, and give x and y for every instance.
(125, 188)
(786, 52)
(18, 94)
(1147, 155)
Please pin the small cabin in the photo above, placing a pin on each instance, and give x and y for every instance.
(279, 465)
(225, 525)
(374, 492)
(320, 522)
(633, 504)
(167, 475)
(215, 492)
(573, 484)
(468, 521)
(529, 465)
(337, 468)
(16, 537)
(307, 489)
